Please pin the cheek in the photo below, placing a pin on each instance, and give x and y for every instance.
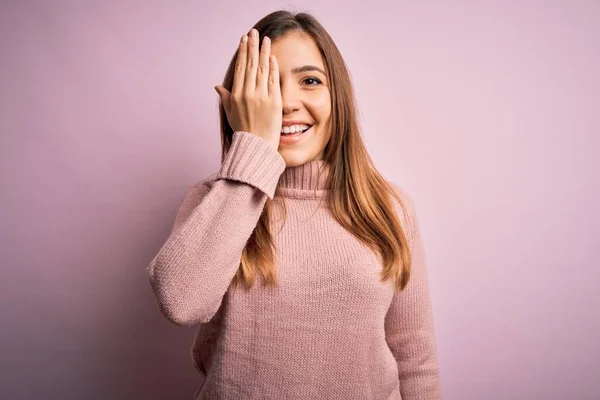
(321, 107)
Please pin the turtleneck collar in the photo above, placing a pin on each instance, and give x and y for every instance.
(308, 180)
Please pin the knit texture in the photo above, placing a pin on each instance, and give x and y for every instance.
(330, 329)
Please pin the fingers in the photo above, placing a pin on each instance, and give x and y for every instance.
(240, 67)
(274, 89)
(262, 74)
(251, 63)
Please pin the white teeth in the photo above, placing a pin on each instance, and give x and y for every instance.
(294, 128)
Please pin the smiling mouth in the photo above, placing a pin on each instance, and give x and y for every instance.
(296, 133)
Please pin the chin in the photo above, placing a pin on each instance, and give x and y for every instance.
(294, 160)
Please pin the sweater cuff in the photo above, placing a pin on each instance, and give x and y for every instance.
(252, 160)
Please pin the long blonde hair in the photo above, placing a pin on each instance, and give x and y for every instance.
(361, 199)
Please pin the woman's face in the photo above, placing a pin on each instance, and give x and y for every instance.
(305, 95)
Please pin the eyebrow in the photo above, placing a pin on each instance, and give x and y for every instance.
(306, 68)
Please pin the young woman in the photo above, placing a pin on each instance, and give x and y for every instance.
(303, 268)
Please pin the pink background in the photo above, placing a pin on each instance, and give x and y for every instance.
(487, 112)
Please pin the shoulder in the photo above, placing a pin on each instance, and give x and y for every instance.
(404, 196)
(405, 206)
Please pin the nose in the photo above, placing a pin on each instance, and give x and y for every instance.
(289, 98)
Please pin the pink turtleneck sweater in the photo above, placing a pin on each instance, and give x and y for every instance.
(329, 330)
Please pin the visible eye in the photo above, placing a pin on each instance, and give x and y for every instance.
(312, 78)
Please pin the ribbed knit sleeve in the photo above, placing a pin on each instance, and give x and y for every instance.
(409, 324)
(193, 269)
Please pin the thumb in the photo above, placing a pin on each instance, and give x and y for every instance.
(223, 93)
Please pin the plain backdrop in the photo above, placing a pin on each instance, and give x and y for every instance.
(487, 112)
